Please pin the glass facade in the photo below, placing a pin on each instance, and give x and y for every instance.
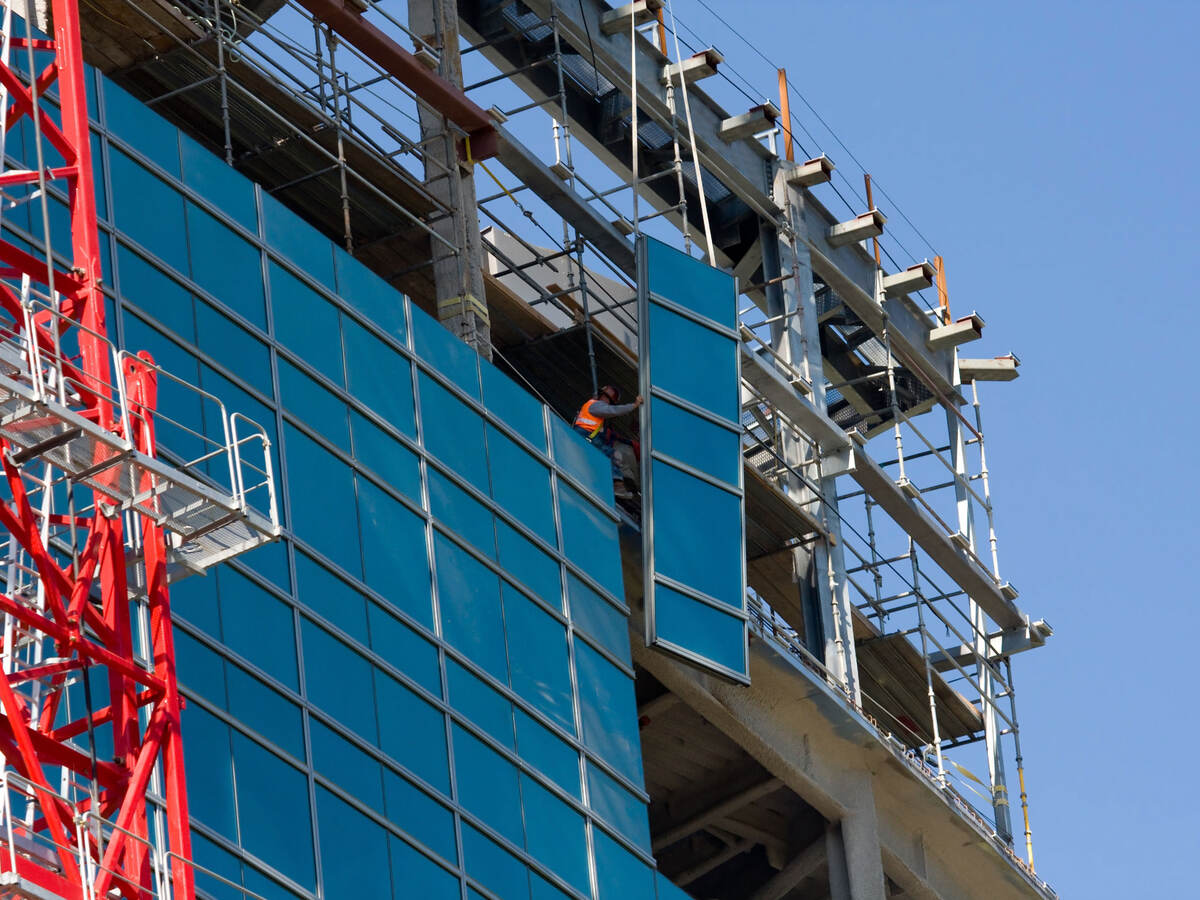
(425, 689)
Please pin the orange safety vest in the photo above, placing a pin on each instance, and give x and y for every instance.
(588, 423)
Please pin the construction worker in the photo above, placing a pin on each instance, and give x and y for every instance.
(591, 423)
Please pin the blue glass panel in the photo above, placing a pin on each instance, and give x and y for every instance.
(534, 568)
(98, 177)
(208, 763)
(598, 618)
(322, 504)
(469, 597)
(453, 432)
(221, 185)
(270, 561)
(537, 655)
(379, 376)
(555, 835)
(620, 874)
(691, 283)
(325, 593)
(541, 889)
(306, 323)
(708, 559)
(233, 347)
(149, 211)
(265, 710)
(237, 400)
(352, 847)
(460, 512)
(209, 857)
(693, 362)
(487, 785)
(698, 627)
(696, 442)
(366, 292)
(486, 708)
(297, 240)
(275, 824)
(386, 457)
(514, 405)
(258, 626)
(148, 287)
(195, 599)
(140, 127)
(199, 669)
(394, 559)
(404, 648)
(590, 540)
(89, 84)
(493, 867)
(609, 712)
(307, 399)
(226, 266)
(619, 808)
(415, 875)
(412, 732)
(420, 815)
(549, 754)
(521, 485)
(352, 770)
(579, 457)
(445, 353)
(329, 665)
(263, 885)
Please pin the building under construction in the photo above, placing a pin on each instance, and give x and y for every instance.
(313, 590)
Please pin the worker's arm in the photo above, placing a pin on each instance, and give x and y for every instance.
(608, 410)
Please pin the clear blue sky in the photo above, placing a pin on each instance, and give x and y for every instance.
(1046, 150)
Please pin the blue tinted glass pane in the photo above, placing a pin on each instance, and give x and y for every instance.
(487, 785)
(275, 824)
(580, 458)
(233, 347)
(329, 665)
(265, 886)
(412, 732)
(514, 405)
(555, 835)
(609, 712)
(469, 596)
(140, 127)
(237, 400)
(147, 286)
(195, 599)
(590, 540)
(693, 362)
(420, 815)
(700, 628)
(98, 176)
(321, 500)
(271, 562)
(691, 283)
(394, 559)
(708, 559)
(534, 568)
(460, 512)
(346, 765)
(404, 648)
(415, 875)
(378, 451)
(259, 626)
(199, 669)
(620, 874)
(219, 184)
(537, 657)
(307, 399)
(265, 710)
(379, 376)
(549, 754)
(209, 770)
(453, 432)
(209, 857)
(148, 210)
(541, 889)
(445, 353)
(226, 266)
(366, 292)
(486, 708)
(352, 847)
(598, 618)
(325, 593)
(619, 808)
(521, 485)
(493, 867)
(297, 240)
(306, 323)
(696, 442)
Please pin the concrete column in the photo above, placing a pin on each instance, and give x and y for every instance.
(461, 302)
(835, 851)
(860, 841)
